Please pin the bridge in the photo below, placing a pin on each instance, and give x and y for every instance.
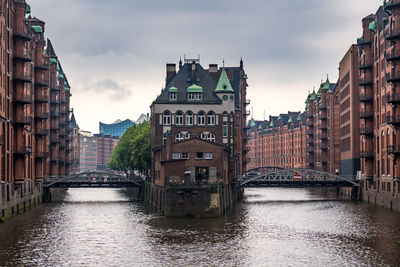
(280, 177)
(92, 179)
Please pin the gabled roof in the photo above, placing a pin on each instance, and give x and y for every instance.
(50, 49)
(73, 123)
(223, 83)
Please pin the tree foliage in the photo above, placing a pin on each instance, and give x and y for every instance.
(133, 150)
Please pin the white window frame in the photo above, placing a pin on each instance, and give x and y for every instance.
(173, 96)
(189, 118)
(211, 118)
(211, 137)
(179, 137)
(201, 117)
(203, 136)
(179, 118)
(176, 155)
(207, 155)
(166, 118)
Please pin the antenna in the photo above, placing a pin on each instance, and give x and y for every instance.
(223, 63)
(264, 114)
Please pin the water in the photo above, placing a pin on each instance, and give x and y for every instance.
(272, 227)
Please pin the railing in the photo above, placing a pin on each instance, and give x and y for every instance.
(323, 127)
(54, 113)
(366, 131)
(42, 131)
(366, 98)
(323, 147)
(23, 149)
(42, 98)
(42, 82)
(42, 154)
(392, 55)
(393, 76)
(55, 158)
(23, 34)
(247, 102)
(323, 136)
(22, 54)
(23, 98)
(43, 66)
(365, 81)
(55, 88)
(41, 115)
(393, 149)
(361, 42)
(322, 107)
(393, 98)
(366, 115)
(309, 132)
(310, 150)
(323, 117)
(366, 154)
(393, 34)
(394, 120)
(23, 77)
(310, 115)
(365, 65)
(23, 119)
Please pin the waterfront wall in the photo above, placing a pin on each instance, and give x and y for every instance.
(192, 201)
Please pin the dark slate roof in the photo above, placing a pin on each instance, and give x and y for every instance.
(183, 79)
(284, 119)
(50, 49)
(72, 122)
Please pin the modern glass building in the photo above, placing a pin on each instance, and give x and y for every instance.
(115, 129)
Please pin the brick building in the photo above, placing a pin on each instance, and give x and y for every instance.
(105, 146)
(379, 48)
(74, 145)
(198, 127)
(87, 151)
(29, 69)
(278, 142)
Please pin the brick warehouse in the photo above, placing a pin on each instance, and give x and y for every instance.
(34, 109)
(198, 134)
(380, 113)
(324, 137)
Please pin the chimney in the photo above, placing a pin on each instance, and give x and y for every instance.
(213, 71)
(171, 71)
(193, 70)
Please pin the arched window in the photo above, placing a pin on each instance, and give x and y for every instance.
(179, 137)
(179, 118)
(189, 118)
(201, 116)
(211, 118)
(167, 118)
(211, 137)
(187, 135)
(203, 136)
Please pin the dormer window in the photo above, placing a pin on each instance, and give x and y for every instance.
(172, 96)
(173, 93)
(195, 93)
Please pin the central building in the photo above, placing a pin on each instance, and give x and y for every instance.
(198, 135)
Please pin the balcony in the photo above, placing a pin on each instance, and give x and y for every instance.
(323, 127)
(23, 149)
(42, 66)
(23, 35)
(310, 124)
(24, 120)
(322, 107)
(393, 98)
(366, 115)
(310, 150)
(321, 162)
(22, 77)
(41, 115)
(393, 77)
(366, 98)
(55, 139)
(41, 155)
(393, 150)
(310, 142)
(42, 98)
(310, 115)
(41, 82)
(247, 102)
(247, 113)
(42, 131)
(310, 163)
(322, 147)
(366, 131)
(23, 98)
(366, 154)
(55, 158)
(393, 120)
(55, 113)
(64, 101)
(365, 65)
(365, 82)
(361, 42)
(22, 55)
(311, 133)
(54, 126)
(323, 136)
(392, 55)
(322, 117)
(393, 34)
(56, 89)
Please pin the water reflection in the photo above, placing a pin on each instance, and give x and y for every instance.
(296, 227)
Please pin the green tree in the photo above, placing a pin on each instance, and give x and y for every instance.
(133, 150)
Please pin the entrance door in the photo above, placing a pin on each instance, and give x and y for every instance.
(201, 174)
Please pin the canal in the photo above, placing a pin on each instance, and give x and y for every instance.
(273, 226)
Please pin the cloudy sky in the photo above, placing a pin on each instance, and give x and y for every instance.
(114, 51)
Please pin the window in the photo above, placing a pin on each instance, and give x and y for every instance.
(189, 118)
(179, 137)
(199, 155)
(185, 155)
(176, 155)
(167, 118)
(172, 96)
(179, 118)
(203, 136)
(208, 155)
(164, 138)
(187, 135)
(211, 118)
(211, 137)
(201, 118)
(225, 129)
(195, 96)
